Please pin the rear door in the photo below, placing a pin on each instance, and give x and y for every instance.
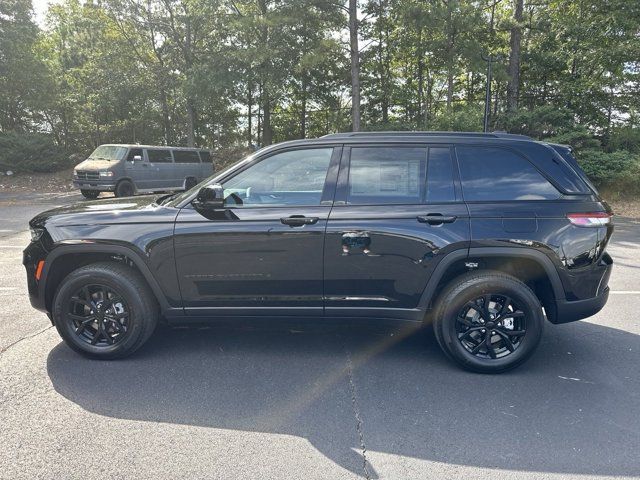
(398, 211)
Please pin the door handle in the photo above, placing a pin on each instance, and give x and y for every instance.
(436, 218)
(299, 220)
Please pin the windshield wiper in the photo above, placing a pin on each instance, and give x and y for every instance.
(164, 199)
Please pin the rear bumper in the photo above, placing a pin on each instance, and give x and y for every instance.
(100, 185)
(579, 309)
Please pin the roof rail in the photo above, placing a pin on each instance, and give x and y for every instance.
(426, 134)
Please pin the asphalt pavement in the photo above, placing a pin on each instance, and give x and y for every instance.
(315, 401)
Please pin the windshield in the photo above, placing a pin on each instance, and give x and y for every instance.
(108, 152)
(176, 199)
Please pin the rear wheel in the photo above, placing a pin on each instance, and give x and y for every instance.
(90, 194)
(189, 183)
(125, 189)
(105, 310)
(488, 322)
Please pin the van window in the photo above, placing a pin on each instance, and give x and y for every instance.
(384, 175)
(133, 152)
(440, 176)
(494, 174)
(205, 155)
(159, 156)
(186, 156)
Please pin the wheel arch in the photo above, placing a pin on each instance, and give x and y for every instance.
(531, 266)
(65, 259)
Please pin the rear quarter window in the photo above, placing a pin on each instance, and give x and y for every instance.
(499, 174)
(186, 156)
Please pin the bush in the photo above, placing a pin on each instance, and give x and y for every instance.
(32, 152)
(617, 172)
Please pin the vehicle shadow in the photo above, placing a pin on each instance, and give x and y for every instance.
(573, 408)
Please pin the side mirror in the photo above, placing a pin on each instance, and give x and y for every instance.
(137, 158)
(210, 197)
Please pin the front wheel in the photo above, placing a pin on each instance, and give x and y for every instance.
(488, 322)
(105, 310)
(125, 189)
(90, 194)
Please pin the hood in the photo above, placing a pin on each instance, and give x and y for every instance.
(141, 209)
(93, 165)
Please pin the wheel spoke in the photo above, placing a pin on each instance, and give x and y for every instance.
(465, 321)
(513, 333)
(486, 300)
(477, 348)
(489, 345)
(96, 336)
(80, 318)
(504, 309)
(507, 341)
(82, 302)
(516, 314)
(471, 330)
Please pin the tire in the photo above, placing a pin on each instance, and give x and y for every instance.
(137, 307)
(460, 326)
(90, 194)
(189, 183)
(125, 188)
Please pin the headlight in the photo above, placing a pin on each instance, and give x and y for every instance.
(36, 233)
(106, 173)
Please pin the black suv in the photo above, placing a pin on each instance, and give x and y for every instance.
(483, 235)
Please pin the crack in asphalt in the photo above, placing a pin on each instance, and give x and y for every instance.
(356, 411)
(25, 338)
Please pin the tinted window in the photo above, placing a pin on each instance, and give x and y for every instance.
(440, 176)
(186, 156)
(289, 178)
(134, 152)
(159, 156)
(493, 173)
(205, 156)
(382, 175)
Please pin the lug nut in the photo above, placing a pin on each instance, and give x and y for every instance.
(481, 320)
(493, 332)
(482, 331)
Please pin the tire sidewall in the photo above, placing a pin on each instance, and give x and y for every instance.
(125, 184)
(70, 286)
(454, 300)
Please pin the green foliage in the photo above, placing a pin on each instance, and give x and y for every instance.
(32, 152)
(617, 172)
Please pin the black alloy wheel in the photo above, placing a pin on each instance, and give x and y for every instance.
(99, 314)
(491, 326)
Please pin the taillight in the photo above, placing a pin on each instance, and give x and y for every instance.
(591, 219)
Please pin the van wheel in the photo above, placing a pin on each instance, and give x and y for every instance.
(189, 183)
(105, 310)
(488, 322)
(124, 189)
(90, 194)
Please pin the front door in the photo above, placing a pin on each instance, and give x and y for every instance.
(262, 254)
(398, 210)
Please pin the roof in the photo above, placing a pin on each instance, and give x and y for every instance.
(427, 134)
(135, 145)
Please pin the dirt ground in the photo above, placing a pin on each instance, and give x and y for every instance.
(60, 182)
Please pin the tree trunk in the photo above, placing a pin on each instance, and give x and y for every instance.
(249, 114)
(355, 65)
(303, 111)
(513, 86)
(267, 134)
(191, 124)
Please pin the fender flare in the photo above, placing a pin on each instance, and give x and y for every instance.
(517, 252)
(128, 252)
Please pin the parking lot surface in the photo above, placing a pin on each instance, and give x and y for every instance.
(315, 401)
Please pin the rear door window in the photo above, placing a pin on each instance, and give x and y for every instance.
(186, 156)
(499, 174)
(159, 156)
(386, 175)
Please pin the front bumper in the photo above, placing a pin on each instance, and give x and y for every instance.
(100, 185)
